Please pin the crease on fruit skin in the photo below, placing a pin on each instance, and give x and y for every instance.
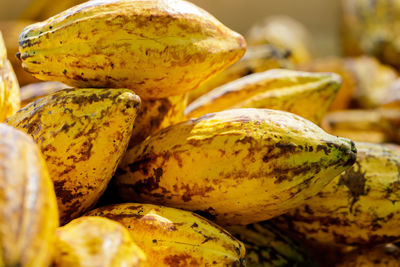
(193, 47)
(82, 134)
(278, 157)
(359, 207)
(173, 237)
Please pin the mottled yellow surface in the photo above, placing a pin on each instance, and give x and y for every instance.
(359, 207)
(175, 238)
(236, 166)
(387, 256)
(96, 242)
(157, 48)
(82, 134)
(33, 91)
(28, 217)
(306, 94)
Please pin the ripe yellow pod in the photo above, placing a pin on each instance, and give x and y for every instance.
(285, 32)
(359, 207)
(306, 94)
(157, 114)
(96, 242)
(157, 48)
(257, 58)
(28, 217)
(235, 166)
(9, 87)
(374, 125)
(33, 91)
(82, 134)
(173, 237)
(387, 256)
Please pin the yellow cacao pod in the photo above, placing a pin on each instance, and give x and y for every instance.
(235, 166)
(157, 48)
(173, 237)
(82, 134)
(359, 207)
(96, 241)
(28, 207)
(387, 256)
(33, 91)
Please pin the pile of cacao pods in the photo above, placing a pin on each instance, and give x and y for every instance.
(160, 137)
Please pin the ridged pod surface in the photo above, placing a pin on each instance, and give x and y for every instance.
(33, 91)
(388, 256)
(257, 58)
(306, 94)
(158, 48)
(82, 134)
(157, 114)
(28, 207)
(173, 237)
(9, 87)
(96, 242)
(267, 246)
(373, 125)
(359, 207)
(236, 166)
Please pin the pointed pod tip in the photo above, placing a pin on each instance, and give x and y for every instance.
(130, 97)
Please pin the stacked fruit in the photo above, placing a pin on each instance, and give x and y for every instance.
(234, 157)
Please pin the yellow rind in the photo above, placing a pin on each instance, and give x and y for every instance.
(387, 256)
(308, 95)
(33, 91)
(157, 48)
(96, 241)
(359, 207)
(173, 237)
(236, 166)
(28, 217)
(82, 134)
(9, 91)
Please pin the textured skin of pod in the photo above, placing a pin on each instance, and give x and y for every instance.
(374, 125)
(82, 134)
(28, 207)
(9, 87)
(236, 166)
(33, 91)
(387, 256)
(257, 58)
(96, 241)
(157, 114)
(267, 246)
(156, 48)
(11, 30)
(359, 207)
(173, 237)
(306, 94)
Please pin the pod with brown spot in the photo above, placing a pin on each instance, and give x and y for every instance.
(9, 87)
(173, 237)
(33, 91)
(96, 241)
(157, 114)
(28, 207)
(257, 58)
(306, 94)
(359, 207)
(82, 134)
(236, 166)
(156, 48)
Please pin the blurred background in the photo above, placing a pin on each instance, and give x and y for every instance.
(321, 18)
